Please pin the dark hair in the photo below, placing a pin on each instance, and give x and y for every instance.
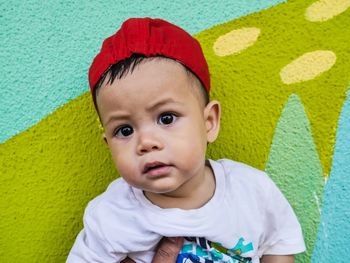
(127, 65)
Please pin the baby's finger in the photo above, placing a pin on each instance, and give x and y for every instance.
(168, 250)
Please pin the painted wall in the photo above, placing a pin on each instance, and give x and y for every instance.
(280, 69)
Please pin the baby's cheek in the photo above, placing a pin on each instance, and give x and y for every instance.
(119, 162)
(122, 164)
(193, 154)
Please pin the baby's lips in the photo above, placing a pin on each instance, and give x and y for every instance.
(150, 165)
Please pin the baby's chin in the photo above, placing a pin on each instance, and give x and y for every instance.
(166, 187)
(164, 190)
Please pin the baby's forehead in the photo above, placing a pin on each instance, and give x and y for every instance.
(171, 76)
(158, 63)
(194, 84)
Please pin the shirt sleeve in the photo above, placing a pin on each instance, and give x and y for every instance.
(283, 235)
(91, 245)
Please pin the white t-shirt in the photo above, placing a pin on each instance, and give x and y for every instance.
(246, 218)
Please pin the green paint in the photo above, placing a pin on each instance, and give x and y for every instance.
(334, 231)
(51, 171)
(48, 174)
(252, 94)
(294, 165)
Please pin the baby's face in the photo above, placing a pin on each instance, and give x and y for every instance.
(154, 126)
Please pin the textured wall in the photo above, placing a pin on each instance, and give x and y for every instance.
(280, 70)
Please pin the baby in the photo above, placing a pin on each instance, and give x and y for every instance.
(150, 85)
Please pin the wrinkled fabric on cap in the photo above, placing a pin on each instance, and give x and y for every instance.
(150, 37)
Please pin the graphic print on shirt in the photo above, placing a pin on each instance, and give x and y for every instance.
(200, 250)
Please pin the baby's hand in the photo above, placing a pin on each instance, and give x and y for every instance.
(167, 250)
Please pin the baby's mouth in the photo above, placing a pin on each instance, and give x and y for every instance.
(153, 166)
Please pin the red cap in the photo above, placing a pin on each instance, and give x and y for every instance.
(150, 37)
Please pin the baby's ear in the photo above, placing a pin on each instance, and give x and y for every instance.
(212, 114)
(104, 138)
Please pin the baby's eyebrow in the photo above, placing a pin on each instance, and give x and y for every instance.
(163, 102)
(117, 117)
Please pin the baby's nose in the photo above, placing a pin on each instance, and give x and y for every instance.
(148, 142)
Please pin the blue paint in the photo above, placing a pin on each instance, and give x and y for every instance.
(334, 230)
(47, 46)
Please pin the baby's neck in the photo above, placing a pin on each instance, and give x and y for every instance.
(190, 198)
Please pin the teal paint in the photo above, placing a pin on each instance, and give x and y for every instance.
(47, 46)
(334, 231)
(294, 165)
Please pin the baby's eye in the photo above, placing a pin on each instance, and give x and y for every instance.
(167, 118)
(124, 131)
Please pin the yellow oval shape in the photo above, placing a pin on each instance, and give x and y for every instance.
(236, 41)
(324, 10)
(308, 66)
